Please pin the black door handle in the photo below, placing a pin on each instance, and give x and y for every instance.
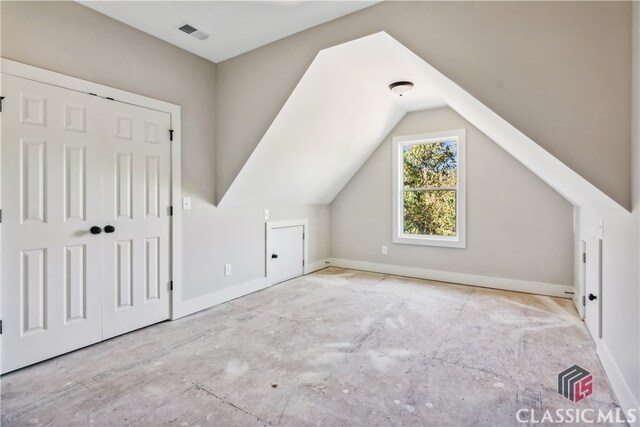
(274, 256)
(95, 230)
(109, 229)
(592, 297)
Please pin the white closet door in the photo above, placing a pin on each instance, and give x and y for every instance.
(70, 162)
(51, 197)
(136, 188)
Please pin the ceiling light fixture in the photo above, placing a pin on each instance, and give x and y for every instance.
(400, 88)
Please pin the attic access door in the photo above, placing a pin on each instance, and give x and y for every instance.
(285, 250)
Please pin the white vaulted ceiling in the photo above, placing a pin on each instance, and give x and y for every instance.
(234, 27)
(331, 124)
(342, 109)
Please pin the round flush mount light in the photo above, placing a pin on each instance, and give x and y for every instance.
(400, 88)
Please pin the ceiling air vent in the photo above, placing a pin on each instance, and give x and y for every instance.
(194, 32)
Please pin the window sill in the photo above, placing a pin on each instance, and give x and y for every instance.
(431, 241)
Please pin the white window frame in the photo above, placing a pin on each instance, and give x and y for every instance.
(398, 143)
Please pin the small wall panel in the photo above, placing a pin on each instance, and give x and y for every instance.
(152, 268)
(124, 182)
(34, 290)
(151, 132)
(74, 117)
(124, 127)
(75, 183)
(33, 183)
(124, 273)
(76, 282)
(152, 186)
(33, 110)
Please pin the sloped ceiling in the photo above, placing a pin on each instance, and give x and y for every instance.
(342, 109)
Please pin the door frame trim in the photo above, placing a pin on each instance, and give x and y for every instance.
(270, 226)
(583, 278)
(42, 75)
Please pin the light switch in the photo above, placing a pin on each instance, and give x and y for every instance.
(186, 203)
(266, 214)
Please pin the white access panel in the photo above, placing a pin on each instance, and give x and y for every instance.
(51, 264)
(286, 258)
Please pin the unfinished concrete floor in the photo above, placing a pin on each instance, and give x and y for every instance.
(338, 347)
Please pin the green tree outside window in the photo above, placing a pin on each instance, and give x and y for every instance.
(430, 173)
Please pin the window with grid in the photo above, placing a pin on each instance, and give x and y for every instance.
(430, 189)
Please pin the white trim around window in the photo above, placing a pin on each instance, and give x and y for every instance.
(398, 144)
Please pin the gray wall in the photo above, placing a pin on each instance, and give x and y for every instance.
(71, 39)
(517, 226)
(558, 71)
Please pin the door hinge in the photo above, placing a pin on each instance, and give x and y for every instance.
(584, 300)
(0, 327)
(171, 285)
(0, 216)
(303, 236)
(303, 263)
(584, 257)
(170, 210)
(1, 99)
(170, 134)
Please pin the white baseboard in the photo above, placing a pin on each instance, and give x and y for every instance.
(618, 383)
(191, 306)
(577, 302)
(317, 265)
(540, 288)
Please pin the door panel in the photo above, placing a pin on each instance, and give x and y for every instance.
(75, 282)
(51, 264)
(287, 245)
(136, 185)
(593, 297)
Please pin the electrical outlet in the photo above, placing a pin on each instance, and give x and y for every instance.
(266, 214)
(186, 203)
(384, 250)
(227, 269)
